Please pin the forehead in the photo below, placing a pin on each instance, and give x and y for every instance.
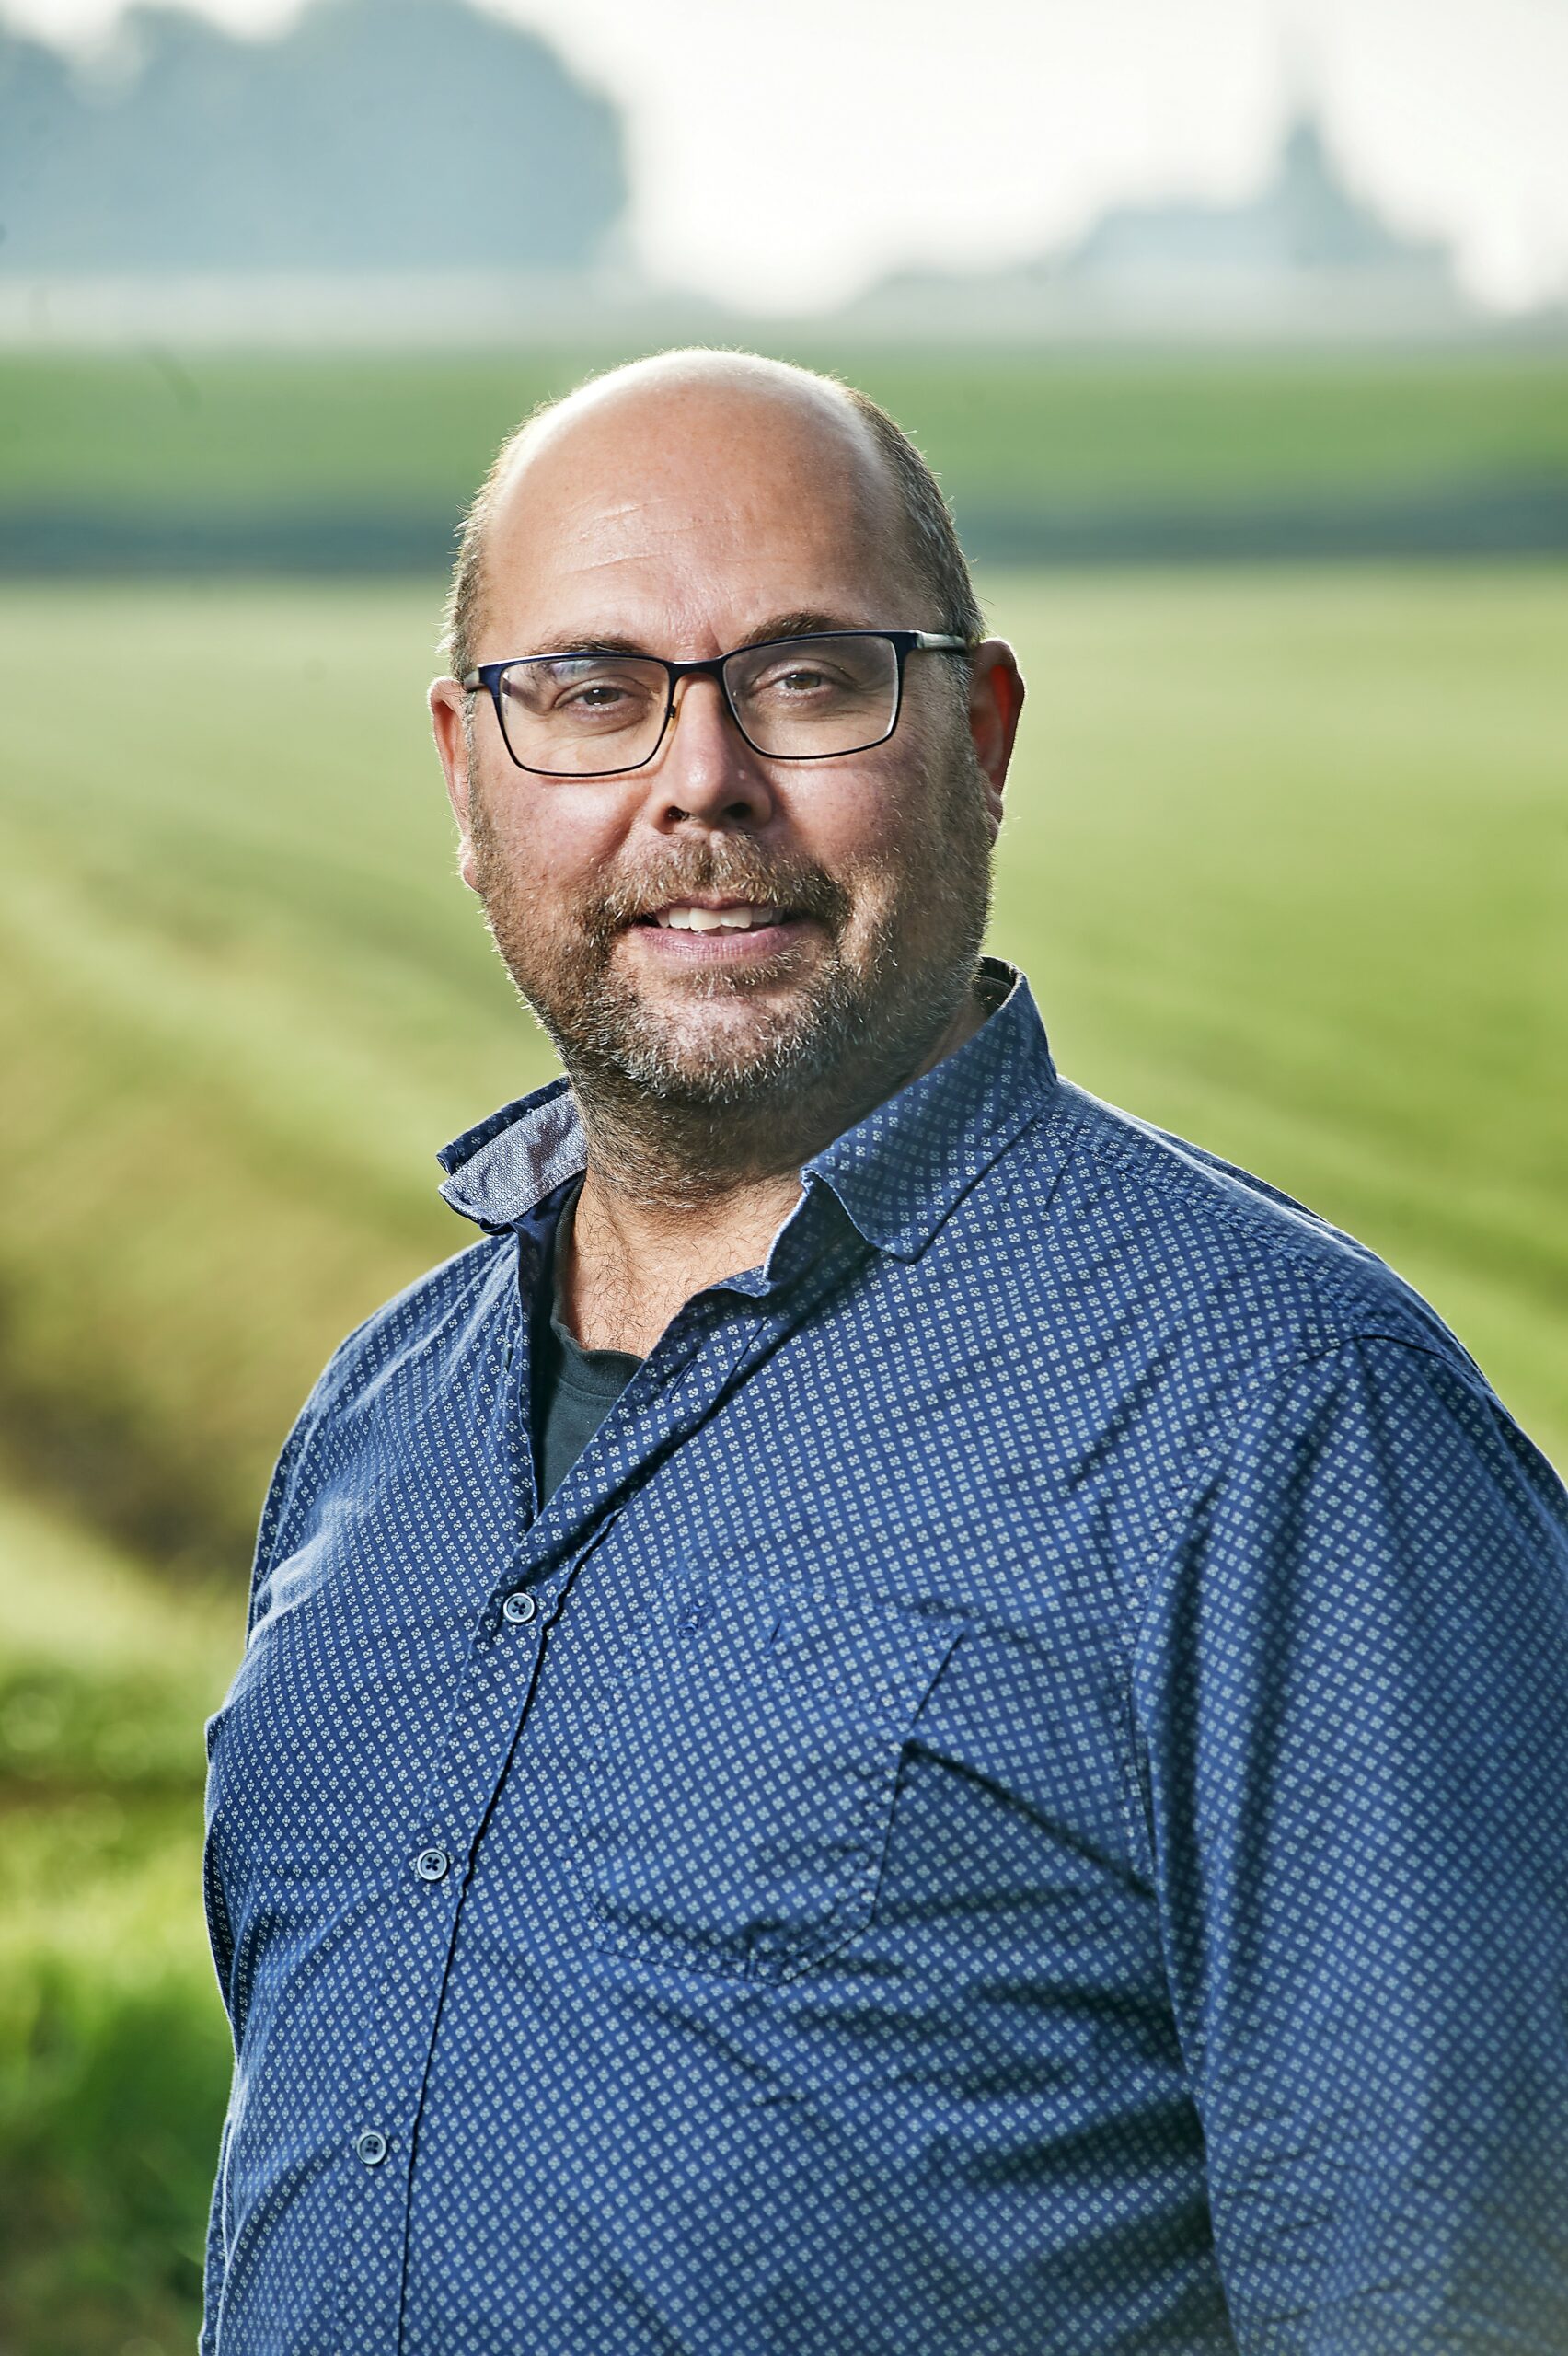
(684, 521)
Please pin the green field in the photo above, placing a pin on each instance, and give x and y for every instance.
(1288, 863)
(243, 451)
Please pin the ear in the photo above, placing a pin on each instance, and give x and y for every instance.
(996, 700)
(448, 705)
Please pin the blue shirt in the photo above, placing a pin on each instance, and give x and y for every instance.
(1015, 1799)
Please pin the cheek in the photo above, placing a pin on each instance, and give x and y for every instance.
(557, 846)
(851, 821)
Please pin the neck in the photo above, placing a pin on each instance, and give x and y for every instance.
(672, 1201)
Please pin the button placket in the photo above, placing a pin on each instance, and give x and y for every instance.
(396, 2054)
(397, 2048)
(490, 1739)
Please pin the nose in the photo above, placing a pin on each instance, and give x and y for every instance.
(705, 773)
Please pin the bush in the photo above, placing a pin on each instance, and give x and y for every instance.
(114, 2052)
(111, 2099)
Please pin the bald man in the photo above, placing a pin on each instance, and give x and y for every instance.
(900, 1717)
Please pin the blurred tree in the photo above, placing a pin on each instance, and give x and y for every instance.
(375, 134)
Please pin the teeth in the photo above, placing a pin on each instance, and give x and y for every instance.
(735, 920)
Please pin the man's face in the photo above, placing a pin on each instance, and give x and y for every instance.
(855, 888)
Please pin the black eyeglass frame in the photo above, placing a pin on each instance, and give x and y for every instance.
(904, 642)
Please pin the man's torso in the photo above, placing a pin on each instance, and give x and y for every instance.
(727, 1898)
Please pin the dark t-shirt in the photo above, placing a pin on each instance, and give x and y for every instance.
(573, 1388)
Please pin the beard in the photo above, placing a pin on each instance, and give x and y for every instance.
(741, 1071)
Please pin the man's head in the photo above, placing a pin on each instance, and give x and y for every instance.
(683, 507)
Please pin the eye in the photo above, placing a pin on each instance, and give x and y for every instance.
(800, 679)
(582, 692)
(596, 695)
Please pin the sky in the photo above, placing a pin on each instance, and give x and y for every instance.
(785, 152)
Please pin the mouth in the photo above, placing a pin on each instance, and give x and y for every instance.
(720, 932)
(716, 915)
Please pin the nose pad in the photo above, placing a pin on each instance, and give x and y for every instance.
(706, 768)
(720, 703)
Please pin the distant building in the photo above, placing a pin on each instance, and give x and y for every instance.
(1304, 257)
(1303, 226)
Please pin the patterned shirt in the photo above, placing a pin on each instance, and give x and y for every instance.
(1015, 1799)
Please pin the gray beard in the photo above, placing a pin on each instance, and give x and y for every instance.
(679, 1124)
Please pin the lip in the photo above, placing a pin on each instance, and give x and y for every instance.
(755, 946)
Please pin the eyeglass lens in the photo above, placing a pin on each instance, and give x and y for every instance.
(804, 699)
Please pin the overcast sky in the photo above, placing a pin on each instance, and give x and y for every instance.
(784, 151)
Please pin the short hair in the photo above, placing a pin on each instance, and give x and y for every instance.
(939, 561)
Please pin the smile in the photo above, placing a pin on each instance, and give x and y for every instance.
(721, 932)
(727, 915)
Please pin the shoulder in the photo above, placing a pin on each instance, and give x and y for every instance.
(1247, 1370)
(415, 1338)
(1214, 1256)
(1132, 1299)
(429, 1316)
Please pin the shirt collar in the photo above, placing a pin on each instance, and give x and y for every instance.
(897, 1172)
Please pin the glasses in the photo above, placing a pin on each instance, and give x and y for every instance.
(591, 714)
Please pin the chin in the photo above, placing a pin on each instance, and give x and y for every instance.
(729, 1055)
(745, 1058)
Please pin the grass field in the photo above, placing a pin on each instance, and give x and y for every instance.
(250, 443)
(1288, 863)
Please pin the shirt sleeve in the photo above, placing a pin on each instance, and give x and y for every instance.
(217, 2255)
(272, 1516)
(1352, 1692)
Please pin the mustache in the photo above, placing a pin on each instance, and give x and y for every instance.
(732, 869)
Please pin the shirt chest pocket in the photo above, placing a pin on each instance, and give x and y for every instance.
(749, 1763)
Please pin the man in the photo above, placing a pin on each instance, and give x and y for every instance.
(901, 1714)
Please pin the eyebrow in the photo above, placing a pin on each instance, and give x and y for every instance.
(799, 624)
(583, 643)
(802, 622)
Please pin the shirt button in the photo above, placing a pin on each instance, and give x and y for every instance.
(372, 2147)
(518, 1608)
(433, 1864)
